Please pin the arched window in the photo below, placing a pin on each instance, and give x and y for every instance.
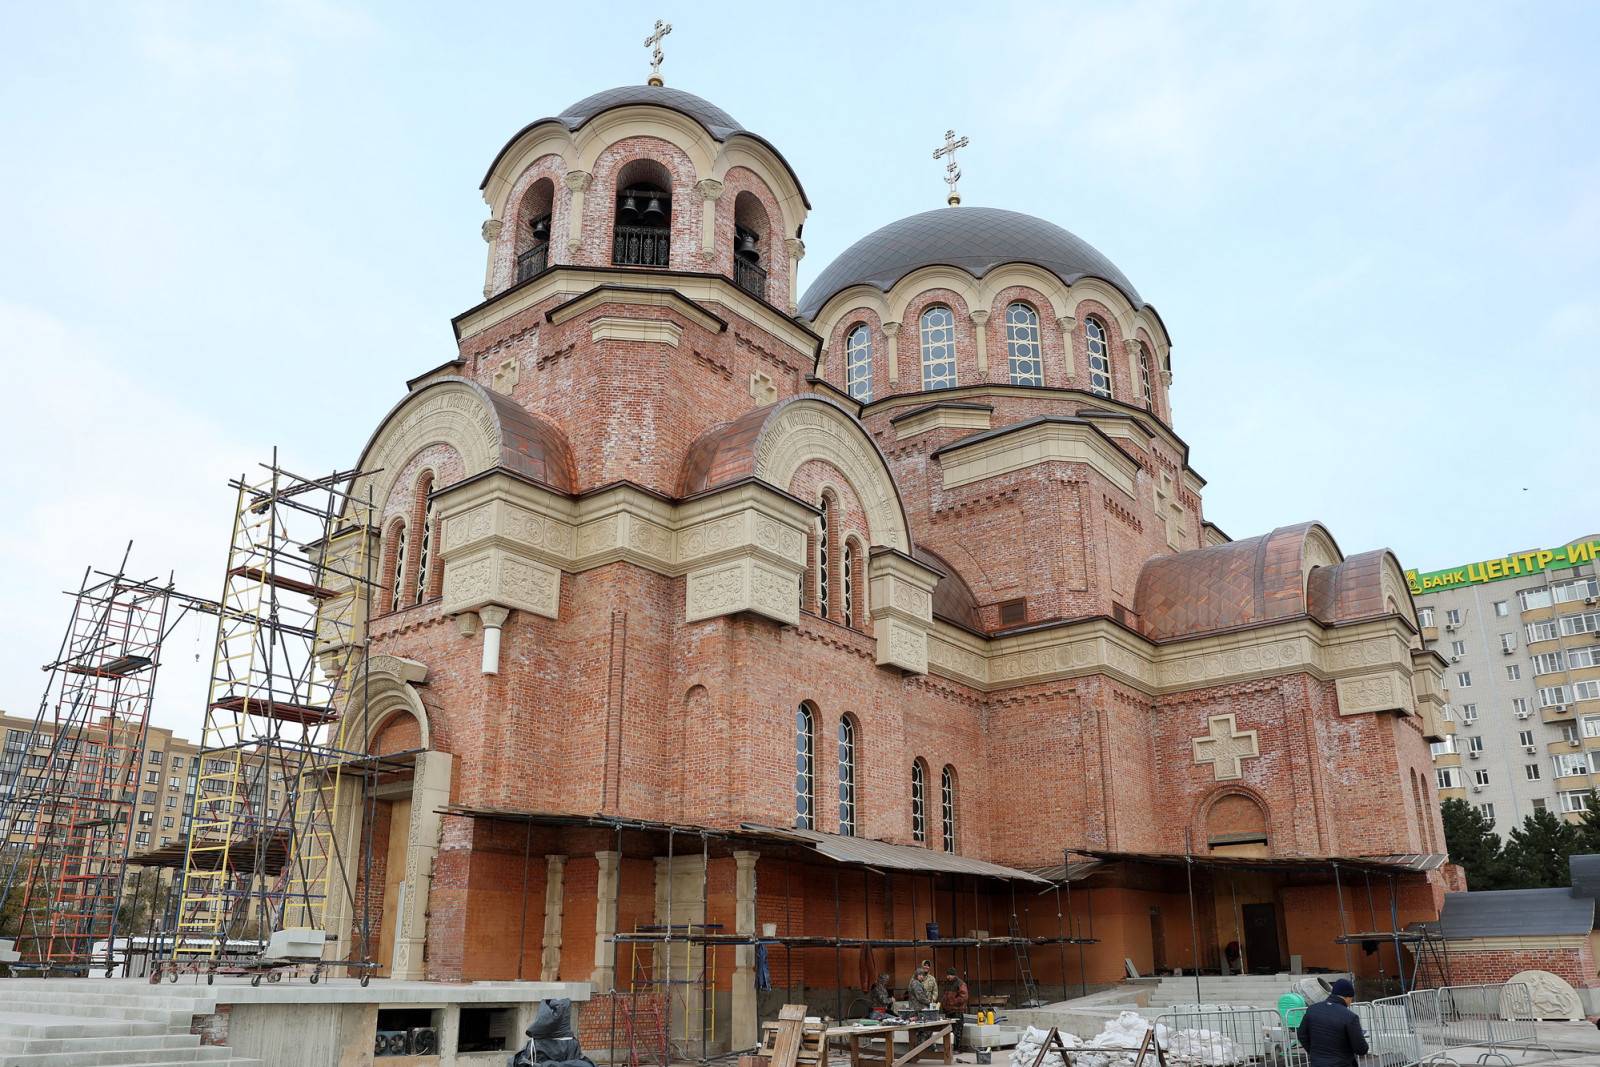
(805, 781)
(824, 590)
(1144, 377)
(858, 363)
(1099, 346)
(847, 582)
(749, 244)
(919, 801)
(425, 535)
(1022, 345)
(938, 348)
(641, 234)
(847, 776)
(533, 232)
(947, 806)
(397, 579)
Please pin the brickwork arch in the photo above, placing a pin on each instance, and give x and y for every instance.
(1233, 809)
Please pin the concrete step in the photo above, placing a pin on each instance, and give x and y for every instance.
(152, 997)
(16, 1026)
(71, 1006)
(209, 1055)
(132, 1043)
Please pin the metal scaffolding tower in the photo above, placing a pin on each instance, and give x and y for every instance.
(73, 780)
(268, 845)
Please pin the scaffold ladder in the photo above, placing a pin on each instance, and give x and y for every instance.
(262, 852)
(73, 780)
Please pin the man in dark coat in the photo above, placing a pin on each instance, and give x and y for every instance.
(1330, 1032)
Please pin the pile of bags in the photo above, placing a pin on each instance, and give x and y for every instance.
(1117, 1045)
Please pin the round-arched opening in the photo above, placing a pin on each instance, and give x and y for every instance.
(919, 800)
(534, 216)
(642, 228)
(751, 244)
(397, 733)
(1236, 825)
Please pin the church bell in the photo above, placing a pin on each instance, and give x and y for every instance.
(747, 249)
(653, 213)
(630, 207)
(541, 228)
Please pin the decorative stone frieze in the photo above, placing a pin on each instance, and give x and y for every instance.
(943, 417)
(650, 331)
(1388, 690)
(1029, 444)
(901, 599)
(350, 557)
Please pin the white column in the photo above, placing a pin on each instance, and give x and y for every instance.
(980, 325)
(578, 182)
(491, 232)
(494, 617)
(744, 956)
(605, 921)
(554, 897)
(891, 331)
(797, 251)
(1067, 324)
(710, 191)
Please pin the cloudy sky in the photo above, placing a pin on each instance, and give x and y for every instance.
(1373, 230)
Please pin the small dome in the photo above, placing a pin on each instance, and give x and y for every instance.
(718, 123)
(973, 239)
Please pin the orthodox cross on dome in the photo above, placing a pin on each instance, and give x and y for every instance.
(1226, 747)
(653, 42)
(952, 173)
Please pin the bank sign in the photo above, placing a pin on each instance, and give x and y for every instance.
(1495, 570)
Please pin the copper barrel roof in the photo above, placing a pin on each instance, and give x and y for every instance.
(1242, 583)
(1349, 590)
(532, 447)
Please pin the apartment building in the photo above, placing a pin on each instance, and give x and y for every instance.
(167, 778)
(1522, 637)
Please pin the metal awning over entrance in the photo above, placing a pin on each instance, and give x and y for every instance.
(883, 856)
(1078, 869)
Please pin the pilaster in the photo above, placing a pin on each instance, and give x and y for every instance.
(607, 875)
(578, 182)
(744, 1019)
(554, 898)
(710, 191)
(891, 333)
(980, 327)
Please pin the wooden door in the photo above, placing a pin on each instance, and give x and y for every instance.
(1261, 938)
(394, 873)
(1158, 943)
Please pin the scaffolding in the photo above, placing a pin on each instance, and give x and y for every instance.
(263, 850)
(87, 745)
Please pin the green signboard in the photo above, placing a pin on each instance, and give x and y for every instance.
(1497, 570)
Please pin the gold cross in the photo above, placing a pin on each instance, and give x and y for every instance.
(952, 173)
(653, 42)
(1226, 747)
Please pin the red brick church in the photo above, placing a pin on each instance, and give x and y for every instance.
(712, 607)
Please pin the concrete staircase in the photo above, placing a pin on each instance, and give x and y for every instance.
(67, 1022)
(1245, 990)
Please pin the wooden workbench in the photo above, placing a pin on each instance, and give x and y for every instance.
(920, 1036)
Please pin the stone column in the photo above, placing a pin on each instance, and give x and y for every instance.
(554, 894)
(491, 232)
(607, 879)
(797, 251)
(1067, 324)
(891, 331)
(578, 182)
(710, 191)
(744, 956)
(980, 326)
(430, 791)
(493, 617)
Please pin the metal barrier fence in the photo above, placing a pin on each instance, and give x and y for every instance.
(1390, 1026)
(1487, 1018)
(1206, 1035)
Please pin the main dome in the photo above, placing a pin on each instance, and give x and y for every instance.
(973, 239)
(717, 122)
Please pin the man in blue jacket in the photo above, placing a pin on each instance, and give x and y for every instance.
(1330, 1032)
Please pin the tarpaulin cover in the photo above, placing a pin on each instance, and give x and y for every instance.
(551, 1042)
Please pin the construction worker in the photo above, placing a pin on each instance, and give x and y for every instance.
(882, 1001)
(924, 990)
(954, 1001)
(1330, 1032)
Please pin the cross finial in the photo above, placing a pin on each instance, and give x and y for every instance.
(653, 42)
(952, 173)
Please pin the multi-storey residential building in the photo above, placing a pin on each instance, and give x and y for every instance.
(1522, 637)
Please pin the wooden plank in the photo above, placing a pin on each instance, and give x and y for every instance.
(791, 1030)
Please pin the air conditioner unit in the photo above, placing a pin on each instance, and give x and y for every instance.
(1558, 708)
(1455, 659)
(1591, 600)
(1507, 651)
(1574, 742)
(1524, 714)
(1474, 754)
(1449, 627)
(1477, 789)
(1529, 749)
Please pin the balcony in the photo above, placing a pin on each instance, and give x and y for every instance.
(1564, 746)
(750, 277)
(640, 246)
(1557, 713)
(533, 261)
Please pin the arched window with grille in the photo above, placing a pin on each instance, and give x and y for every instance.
(858, 363)
(824, 559)
(847, 582)
(919, 801)
(1022, 345)
(805, 779)
(847, 775)
(397, 576)
(947, 806)
(424, 536)
(938, 348)
(1144, 378)
(1099, 346)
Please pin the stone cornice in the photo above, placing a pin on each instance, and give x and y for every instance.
(1351, 656)
(637, 297)
(697, 289)
(1040, 440)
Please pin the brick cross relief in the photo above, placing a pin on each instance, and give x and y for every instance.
(1226, 747)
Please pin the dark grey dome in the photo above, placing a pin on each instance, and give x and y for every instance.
(717, 122)
(973, 239)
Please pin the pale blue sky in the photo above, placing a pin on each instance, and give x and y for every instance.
(1372, 230)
